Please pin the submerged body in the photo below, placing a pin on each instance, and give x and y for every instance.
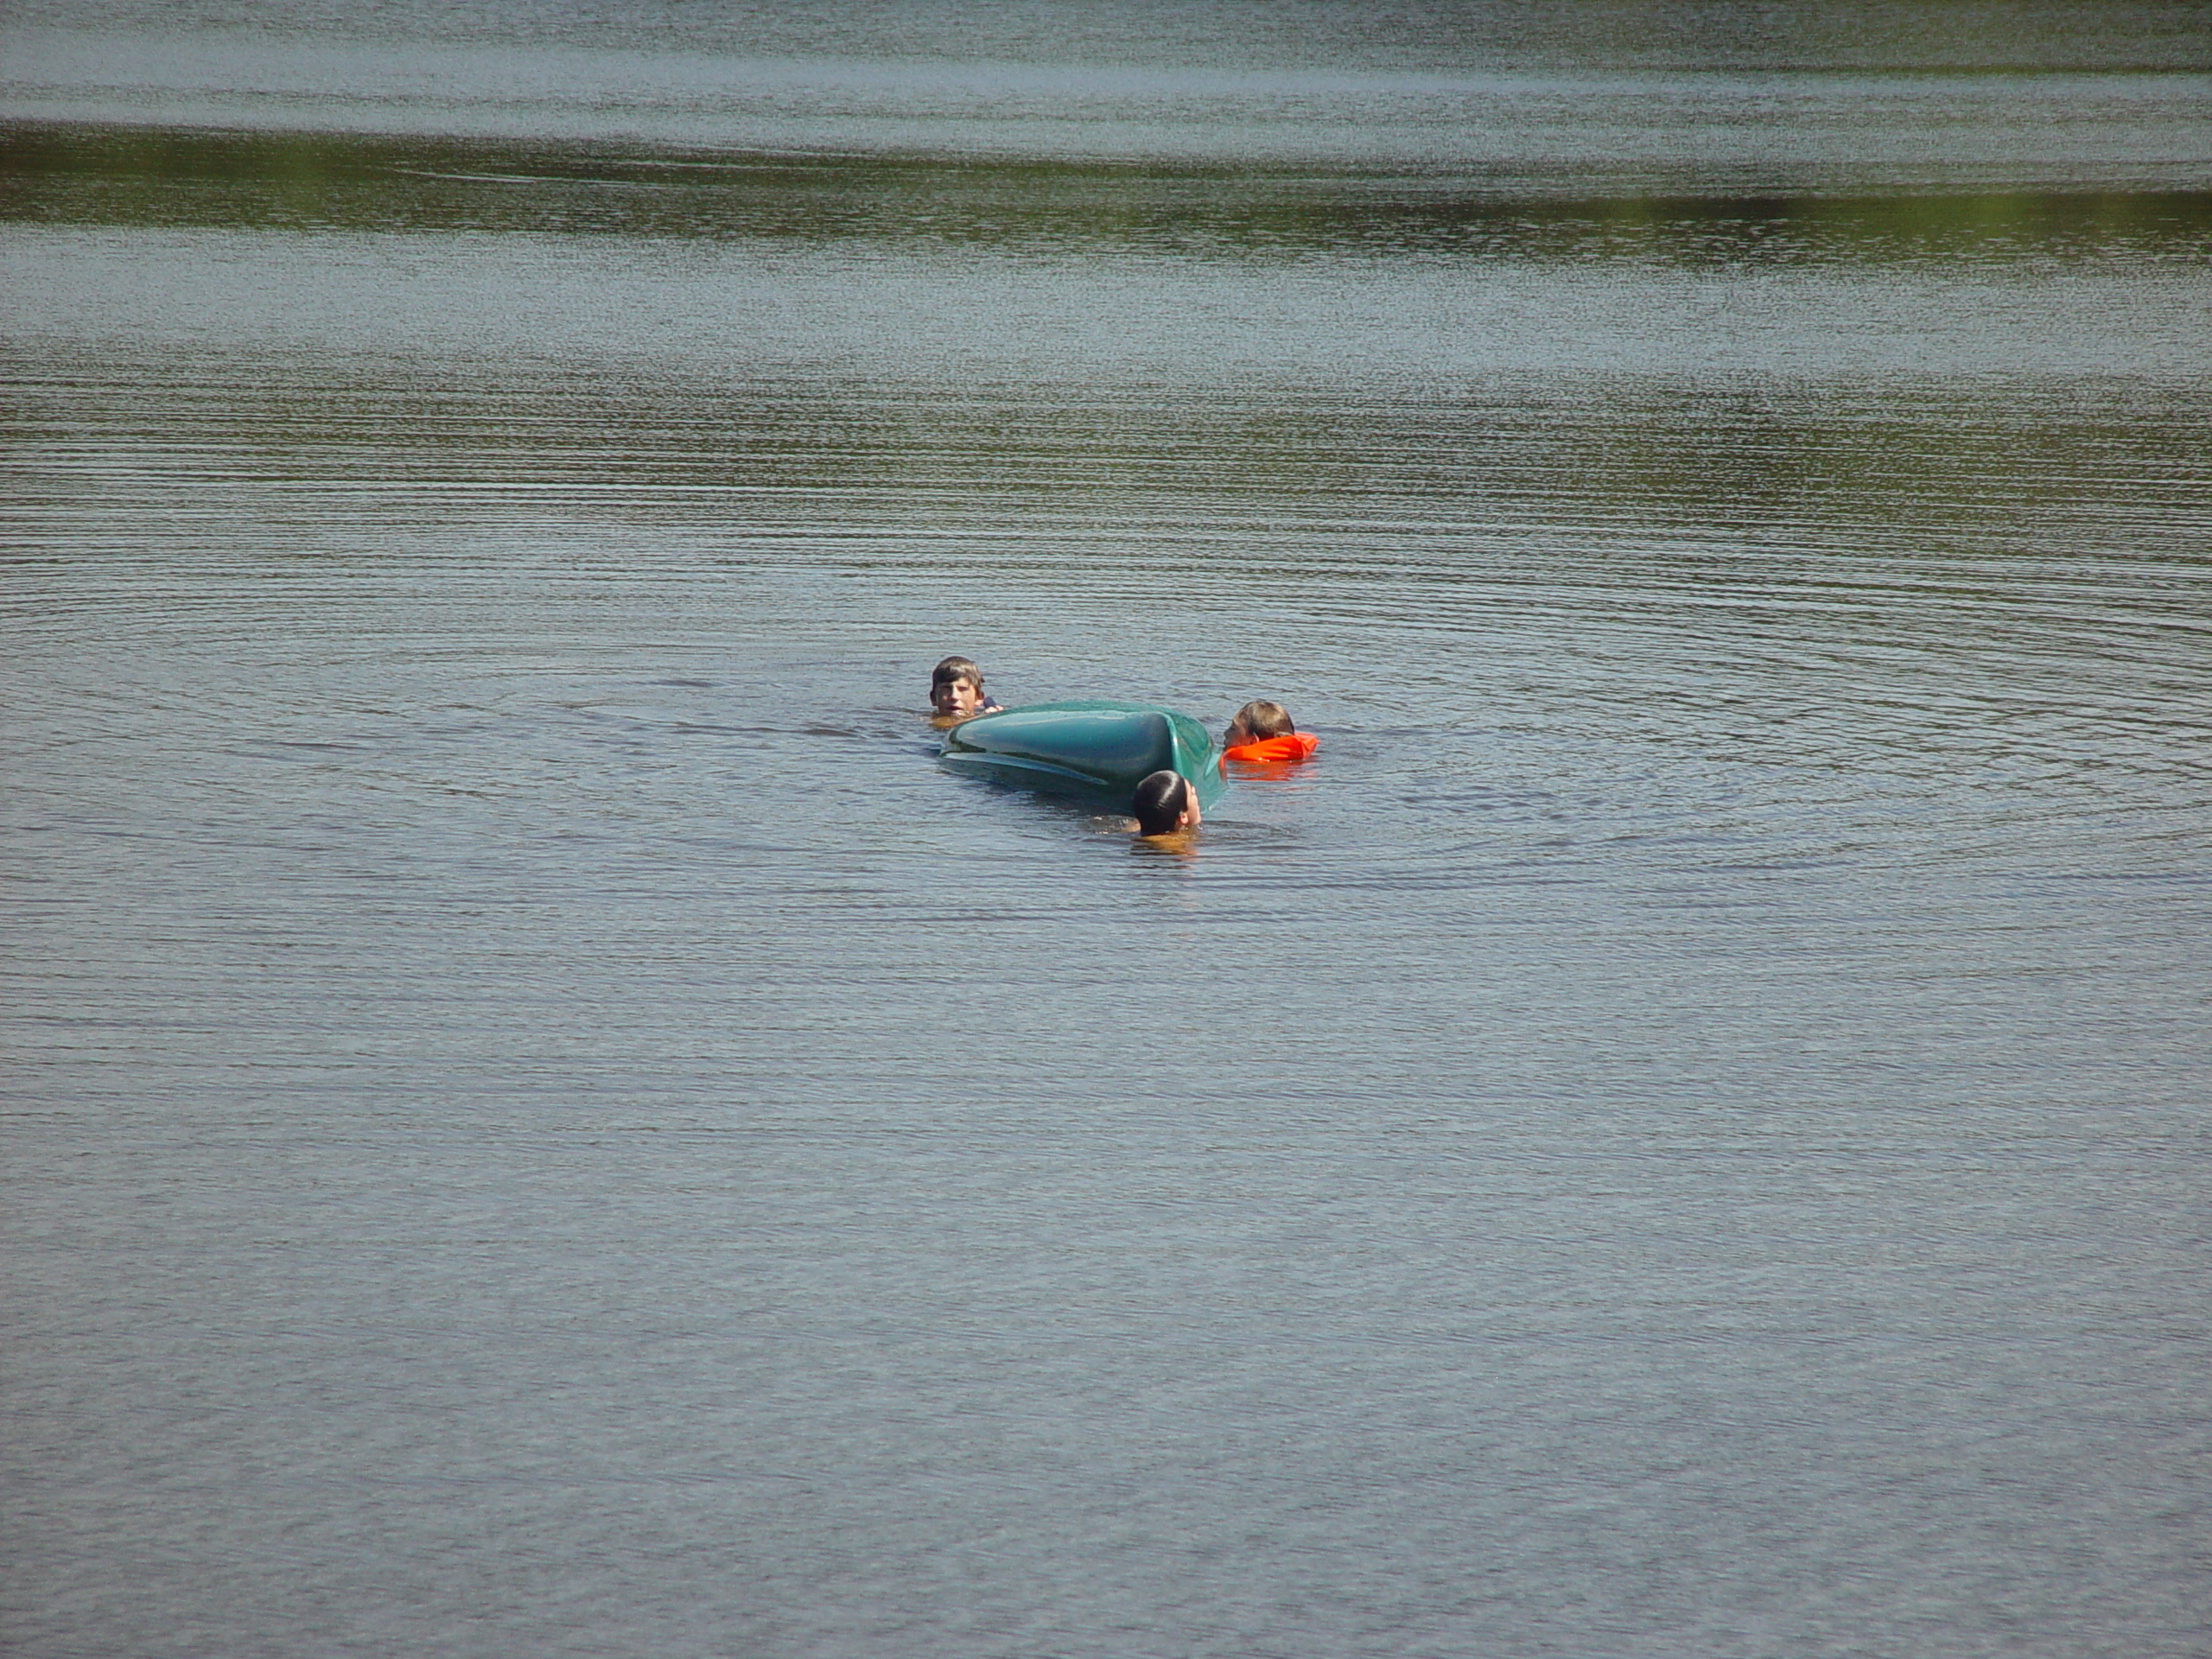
(1099, 751)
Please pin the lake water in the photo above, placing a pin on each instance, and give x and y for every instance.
(538, 1120)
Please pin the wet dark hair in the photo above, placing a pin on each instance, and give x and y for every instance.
(1263, 718)
(1159, 800)
(955, 668)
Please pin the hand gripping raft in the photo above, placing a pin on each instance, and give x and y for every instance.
(1094, 750)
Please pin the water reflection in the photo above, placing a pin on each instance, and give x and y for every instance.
(1634, 104)
(124, 176)
(1940, 574)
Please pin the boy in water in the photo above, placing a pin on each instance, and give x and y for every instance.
(1261, 733)
(957, 691)
(1165, 804)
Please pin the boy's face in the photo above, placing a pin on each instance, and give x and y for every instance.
(1238, 734)
(956, 699)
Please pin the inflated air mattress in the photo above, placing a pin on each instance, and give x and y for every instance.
(1094, 750)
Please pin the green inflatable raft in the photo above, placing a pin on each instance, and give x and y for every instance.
(1096, 751)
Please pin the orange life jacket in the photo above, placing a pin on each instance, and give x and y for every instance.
(1275, 751)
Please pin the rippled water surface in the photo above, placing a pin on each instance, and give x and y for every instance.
(538, 1119)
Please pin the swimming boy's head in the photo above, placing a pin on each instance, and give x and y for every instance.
(1255, 721)
(957, 688)
(1164, 802)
